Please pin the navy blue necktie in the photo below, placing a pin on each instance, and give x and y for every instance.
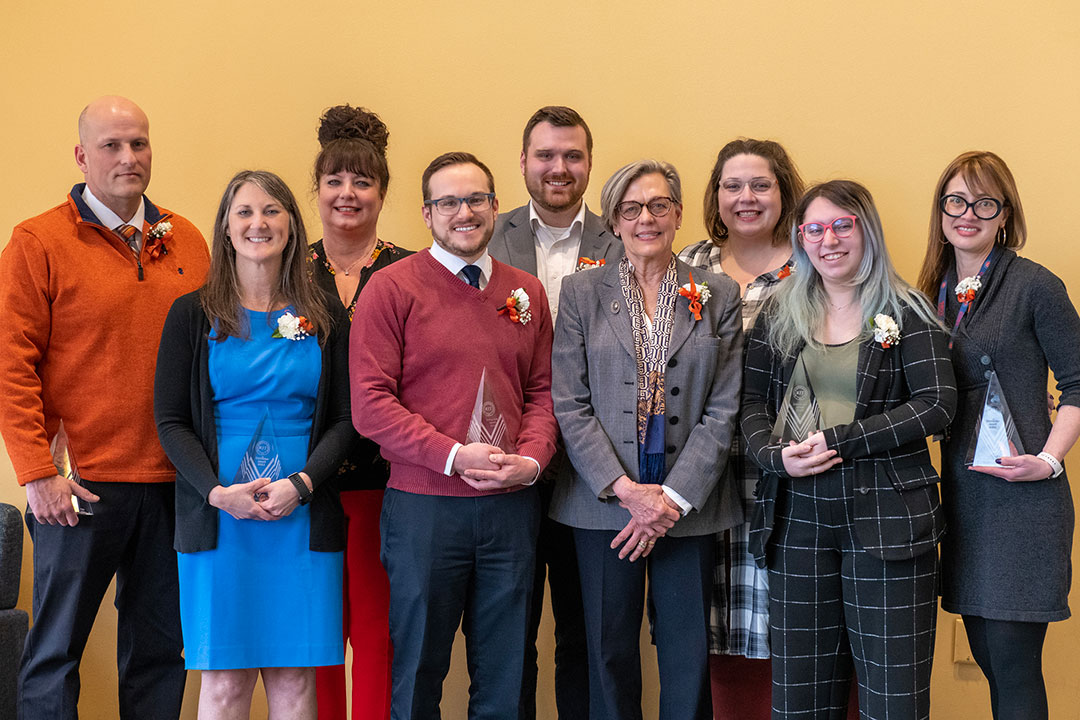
(472, 275)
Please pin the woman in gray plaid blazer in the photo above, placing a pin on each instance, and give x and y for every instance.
(847, 518)
(646, 368)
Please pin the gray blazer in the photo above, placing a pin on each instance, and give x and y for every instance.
(514, 244)
(594, 386)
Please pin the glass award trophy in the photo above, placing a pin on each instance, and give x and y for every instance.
(799, 413)
(64, 460)
(261, 458)
(487, 424)
(995, 433)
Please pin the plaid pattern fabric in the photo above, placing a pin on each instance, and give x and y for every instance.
(739, 614)
(851, 553)
(903, 395)
(834, 606)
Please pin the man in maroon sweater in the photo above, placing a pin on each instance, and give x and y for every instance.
(435, 336)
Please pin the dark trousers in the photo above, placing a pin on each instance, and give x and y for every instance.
(130, 536)
(679, 571)
(455, 560)
(557, 560)
(833, 607)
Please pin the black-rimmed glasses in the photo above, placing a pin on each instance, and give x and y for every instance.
(841, 227)
(986, 208)
(631, 209)
(449, 206)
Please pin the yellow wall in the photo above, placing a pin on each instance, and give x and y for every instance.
(886, 93)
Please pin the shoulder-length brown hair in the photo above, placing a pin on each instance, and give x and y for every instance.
(220, 295)
(985, 173)
(787, 177)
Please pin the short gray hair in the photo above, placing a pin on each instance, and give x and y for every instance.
(616, 185)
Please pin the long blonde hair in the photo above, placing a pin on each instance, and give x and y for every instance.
(799, 306)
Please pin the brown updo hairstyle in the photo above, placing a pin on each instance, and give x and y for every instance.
(353, 139)
(787, 178)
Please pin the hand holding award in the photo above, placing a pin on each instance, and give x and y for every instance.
(487, 461)
(60, 499)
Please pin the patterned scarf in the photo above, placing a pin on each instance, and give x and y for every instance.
(650, 350)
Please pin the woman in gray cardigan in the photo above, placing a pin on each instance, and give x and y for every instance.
(645, 378)
(1006, 557)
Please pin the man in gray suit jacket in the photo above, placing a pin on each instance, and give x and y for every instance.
(550, 236)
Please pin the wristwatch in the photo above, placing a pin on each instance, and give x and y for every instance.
(1055, 464)
(301, 488)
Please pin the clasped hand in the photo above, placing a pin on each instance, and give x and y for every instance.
(260, 499)
(809, 457)
(652, 514)
(486, 467)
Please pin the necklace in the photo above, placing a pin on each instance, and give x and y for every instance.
(838, 308)
(367, 260)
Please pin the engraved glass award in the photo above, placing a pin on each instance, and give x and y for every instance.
(261, 458)
(995, 433)
(64, 460)
(487, 424)
(799, 413)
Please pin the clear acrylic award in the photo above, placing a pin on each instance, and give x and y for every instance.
(64, 460)
(995, 434)
(799, 414)
(487, 424)
(261, 458)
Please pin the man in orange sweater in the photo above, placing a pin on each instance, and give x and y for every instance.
(84, 290)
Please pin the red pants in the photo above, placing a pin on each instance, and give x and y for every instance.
(742, 689)
(366, 618)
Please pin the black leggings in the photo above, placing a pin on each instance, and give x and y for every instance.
(1010, 656)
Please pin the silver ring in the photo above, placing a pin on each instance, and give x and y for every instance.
(642, 545)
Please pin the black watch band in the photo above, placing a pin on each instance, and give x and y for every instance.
(301, 488)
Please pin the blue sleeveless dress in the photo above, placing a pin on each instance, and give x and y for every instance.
(262, 598)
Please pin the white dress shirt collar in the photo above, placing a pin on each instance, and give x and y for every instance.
(453, 263)
(110, 219)
(554, 234)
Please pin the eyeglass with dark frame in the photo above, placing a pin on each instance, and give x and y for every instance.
(985, 208)
(841, 227)
(631, 209)
(758, 186)
(449, 206)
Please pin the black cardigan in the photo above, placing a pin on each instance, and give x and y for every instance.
(184, 412)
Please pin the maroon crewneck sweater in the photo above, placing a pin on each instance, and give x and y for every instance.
(421, 337)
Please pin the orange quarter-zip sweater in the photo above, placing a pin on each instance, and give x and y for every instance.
(80, 321)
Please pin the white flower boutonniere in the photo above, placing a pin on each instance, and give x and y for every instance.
(158, 231)
(156, 237)
(517, 306)
(886, 331)
(698, 295)
(966, 288)
(293, 327)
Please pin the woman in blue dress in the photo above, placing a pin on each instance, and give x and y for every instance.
(252, 410)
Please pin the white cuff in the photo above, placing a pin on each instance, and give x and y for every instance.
(449, 470)
(537, 475)
(684, 506)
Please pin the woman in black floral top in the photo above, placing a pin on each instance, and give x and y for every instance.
(351, 177)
